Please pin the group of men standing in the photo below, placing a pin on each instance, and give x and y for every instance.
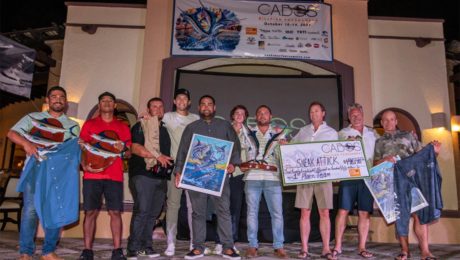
(162, 139)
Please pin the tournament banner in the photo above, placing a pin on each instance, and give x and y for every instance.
(206, 165)
(16, 67)
(322, 161)
(262, 29)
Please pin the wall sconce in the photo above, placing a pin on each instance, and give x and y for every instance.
(455, 123)
(438, 120)
(72, 109)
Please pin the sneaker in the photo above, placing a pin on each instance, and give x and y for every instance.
(231, 254)
(251, 252)
(207, 251)
(194, 254)
(170, 250)
(86, 254)
(117, 254)
(236, 250)
(131, 255)
(280, 253)
(218, 249)
(148, 252)
(51, 256)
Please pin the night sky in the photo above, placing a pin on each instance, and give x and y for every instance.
(28, 14)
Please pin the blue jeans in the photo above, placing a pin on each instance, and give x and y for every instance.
(29, 223)
(273, 196)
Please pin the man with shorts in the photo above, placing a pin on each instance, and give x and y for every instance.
(317, 130)
(107, 182)
(353, 192)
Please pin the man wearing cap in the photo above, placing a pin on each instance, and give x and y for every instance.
(175, 122)
(56, 99)
(108, 181)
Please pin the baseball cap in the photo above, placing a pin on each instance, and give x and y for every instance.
(182, 91)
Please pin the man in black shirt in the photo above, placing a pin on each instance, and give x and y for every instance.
(148, 185)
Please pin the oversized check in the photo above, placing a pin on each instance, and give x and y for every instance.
(322, 161)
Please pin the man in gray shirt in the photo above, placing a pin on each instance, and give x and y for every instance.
(210, 126)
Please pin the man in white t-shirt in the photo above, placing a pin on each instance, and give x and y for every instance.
(175, 122)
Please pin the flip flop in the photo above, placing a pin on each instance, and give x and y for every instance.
(366, 254)
(303, 255)
(328, 256)
(335, 253)
(402, 256)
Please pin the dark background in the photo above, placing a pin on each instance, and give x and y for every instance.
(28, 14)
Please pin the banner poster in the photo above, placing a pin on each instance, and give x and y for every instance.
(381, 186)
(262, 29)
(206, 165)
(322, 161)
(16, 67)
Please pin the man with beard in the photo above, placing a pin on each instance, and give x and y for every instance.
(107, 182)
(56, 99)
(210, 126)
(353, 192)
(147, 184)
(175, 122)
(264, 178)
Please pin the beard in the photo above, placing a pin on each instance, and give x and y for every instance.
(207, 115)
(57, 107)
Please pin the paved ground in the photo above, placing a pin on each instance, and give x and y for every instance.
(70, 248)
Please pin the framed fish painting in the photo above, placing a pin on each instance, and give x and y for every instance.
(206, 165)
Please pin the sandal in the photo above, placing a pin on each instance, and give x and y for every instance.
(402, 256)
(335, 253)
(366, 254)
(303, 255)
(328, 256)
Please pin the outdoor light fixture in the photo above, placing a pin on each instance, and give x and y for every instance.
(455, 123)
(438, 120)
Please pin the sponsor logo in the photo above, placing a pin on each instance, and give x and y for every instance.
(290, 45)
(277, 31)
(261, 45)
(289, 31)
(264, 30)
(313, 33)
(308, 45)
(300, 45)
(303, 51)
(251, 40)
(326, 40)
(273, 37)
(282, 50)
(316, 39)
(324, 46)
(288, 38)
(324, 34)
(262, 36)
(316, 45)
(251, 31)
(301, 38)
(292, 50)
(273, 44)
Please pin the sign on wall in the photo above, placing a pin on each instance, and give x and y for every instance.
(286, 30)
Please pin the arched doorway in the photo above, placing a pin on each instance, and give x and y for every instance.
(406, 121)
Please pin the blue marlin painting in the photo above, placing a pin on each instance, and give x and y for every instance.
(206, 164)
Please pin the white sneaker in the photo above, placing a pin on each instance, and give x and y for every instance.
(170, 250)
(218, 249)
(207, 251)
(236, 250)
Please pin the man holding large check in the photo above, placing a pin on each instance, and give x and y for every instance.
(318, 130)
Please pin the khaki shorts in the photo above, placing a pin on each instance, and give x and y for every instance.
(322, 191)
